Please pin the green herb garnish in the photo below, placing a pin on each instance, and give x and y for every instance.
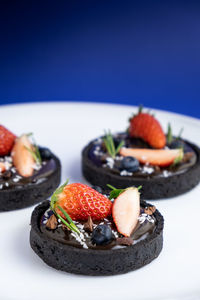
(169, 134)
(54, 198)
(140, 108)
(110, 145)
(35, 150)
(180, 133)
(116, 192)
(35, 155)
(29, 134)
(70, 224)
(178, 159)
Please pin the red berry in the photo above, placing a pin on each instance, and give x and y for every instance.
(7, 139)
(149, 129)
(126, 210)
(81, 201)
(22, 158)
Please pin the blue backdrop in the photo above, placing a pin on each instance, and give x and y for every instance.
(105, 51)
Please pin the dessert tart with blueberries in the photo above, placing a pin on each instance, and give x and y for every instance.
(165, 165)
(28, 173)
(84, 231)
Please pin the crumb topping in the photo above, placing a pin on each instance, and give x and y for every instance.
(51, 222)
(149, 210)
(144, 217)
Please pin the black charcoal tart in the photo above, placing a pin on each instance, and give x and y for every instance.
(23, 196)
(95, 262)
(152, 187)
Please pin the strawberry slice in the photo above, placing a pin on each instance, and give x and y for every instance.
(155, 157)
(126, 210)
(81, 201)
(146, 127)
(22, 158)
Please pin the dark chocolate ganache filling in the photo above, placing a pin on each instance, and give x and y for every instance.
(146, 225)
(12, 179)
(98, 155)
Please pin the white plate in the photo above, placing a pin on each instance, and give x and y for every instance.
(66, 128)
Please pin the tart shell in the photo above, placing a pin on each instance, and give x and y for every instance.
(94, 262)
(27, 195)
(152, 187)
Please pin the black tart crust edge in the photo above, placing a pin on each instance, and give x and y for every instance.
(28, 195)
(95, 262)
(152, 187)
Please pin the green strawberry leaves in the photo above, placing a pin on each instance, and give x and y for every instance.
(68, 222)
(54, 197)
(116, 192)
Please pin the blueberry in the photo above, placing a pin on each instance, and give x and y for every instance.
(130, 164)
(97, 188)
(176, 143)
(102, 235)
(45, 153)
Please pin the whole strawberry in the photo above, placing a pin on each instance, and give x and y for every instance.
(81, 201)
(7, 139)
(146, 127)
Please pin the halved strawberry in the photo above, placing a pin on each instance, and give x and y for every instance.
(2, 167)
(126, 210)
(7, 139)
(164, 157)
(147, 128)
(22, 158)
(81, 201)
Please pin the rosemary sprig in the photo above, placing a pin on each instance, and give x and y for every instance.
(29, 134)
(140, 108)
(180, 133)
(116, 192)
(68, 222)
(110, 145)
(169, 134)
(35, 150)
(35, 155)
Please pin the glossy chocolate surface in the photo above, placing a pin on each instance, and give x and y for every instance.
(65, 236)
(97, 154)
(14, 180)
